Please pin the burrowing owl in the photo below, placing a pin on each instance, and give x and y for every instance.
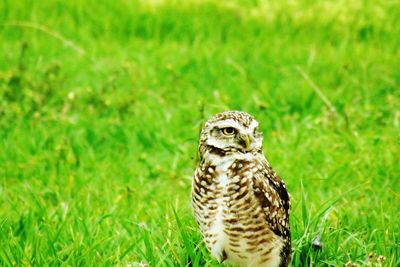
(240, 204)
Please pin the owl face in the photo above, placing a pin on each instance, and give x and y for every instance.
(232, 131)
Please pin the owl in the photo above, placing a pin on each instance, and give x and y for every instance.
(240, 204)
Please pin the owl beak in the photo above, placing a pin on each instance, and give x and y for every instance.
(245, 140)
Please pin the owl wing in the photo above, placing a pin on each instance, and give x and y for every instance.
(204, 194)
(272, 194)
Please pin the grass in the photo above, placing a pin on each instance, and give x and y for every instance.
(101, 106)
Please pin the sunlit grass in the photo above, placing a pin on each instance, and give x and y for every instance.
(101, 106)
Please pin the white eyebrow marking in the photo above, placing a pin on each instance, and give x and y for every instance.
(229, 123)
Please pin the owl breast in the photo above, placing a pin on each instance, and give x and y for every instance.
(230, 216)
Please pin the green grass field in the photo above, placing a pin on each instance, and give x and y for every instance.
(101, 106)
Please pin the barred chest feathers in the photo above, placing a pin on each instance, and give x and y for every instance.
(230, 216)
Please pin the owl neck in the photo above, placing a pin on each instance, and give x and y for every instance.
(208, 151)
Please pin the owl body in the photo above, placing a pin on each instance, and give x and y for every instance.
(240, 204)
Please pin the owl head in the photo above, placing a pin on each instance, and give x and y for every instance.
(230, 132)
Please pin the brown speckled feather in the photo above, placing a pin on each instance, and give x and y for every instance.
(272, 195)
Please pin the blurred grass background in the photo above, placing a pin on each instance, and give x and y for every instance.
(101, 105)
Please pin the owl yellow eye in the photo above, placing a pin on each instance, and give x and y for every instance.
(228, 131)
